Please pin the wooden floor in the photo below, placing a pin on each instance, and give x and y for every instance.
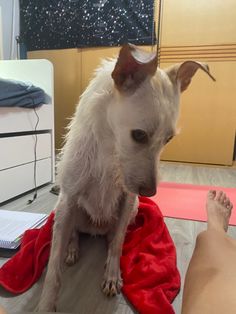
(81, 283)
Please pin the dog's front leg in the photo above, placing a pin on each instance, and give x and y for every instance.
(73, 249)
(112, 282)
(62, 231)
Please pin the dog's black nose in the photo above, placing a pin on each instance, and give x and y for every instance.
(147, 191)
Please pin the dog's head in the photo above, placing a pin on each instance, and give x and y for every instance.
(144, 113)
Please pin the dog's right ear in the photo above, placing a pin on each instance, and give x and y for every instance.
(133, 67)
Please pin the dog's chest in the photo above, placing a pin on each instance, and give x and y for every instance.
(101, 202)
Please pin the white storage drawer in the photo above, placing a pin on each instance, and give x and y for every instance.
(19, 150)
(20, 179)
(17, 129)
(23, 119)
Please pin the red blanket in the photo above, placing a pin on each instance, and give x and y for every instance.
(148, 263)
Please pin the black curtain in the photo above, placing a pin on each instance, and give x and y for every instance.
(57, 24)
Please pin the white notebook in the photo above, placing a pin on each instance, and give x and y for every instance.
(14, 223)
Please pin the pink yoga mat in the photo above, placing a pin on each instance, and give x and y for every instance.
(187, 201)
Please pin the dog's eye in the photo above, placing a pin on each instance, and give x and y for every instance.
(139, 136)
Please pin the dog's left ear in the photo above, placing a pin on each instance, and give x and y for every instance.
(133, 66)
(184, 72)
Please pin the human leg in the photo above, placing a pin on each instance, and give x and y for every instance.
(210, 282)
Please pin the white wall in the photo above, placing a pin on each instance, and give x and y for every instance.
(9, 28)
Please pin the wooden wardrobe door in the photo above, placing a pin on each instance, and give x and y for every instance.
(201, 22)
(207, 121)
(203, 31)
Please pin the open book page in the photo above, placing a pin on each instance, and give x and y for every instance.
(14, 223)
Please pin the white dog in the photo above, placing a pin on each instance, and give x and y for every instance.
(124, 118)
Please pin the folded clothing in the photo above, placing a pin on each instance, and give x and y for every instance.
(21, 94)
(151, 279)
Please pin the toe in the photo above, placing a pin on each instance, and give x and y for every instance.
(72, 257)
(230, 206)
(219, 196)
(223, 198)
(119, 286)
(108, 288)
(111, 287)
(226, 202)
(211, 194)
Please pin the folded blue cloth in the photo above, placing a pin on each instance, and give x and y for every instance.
(19, 94)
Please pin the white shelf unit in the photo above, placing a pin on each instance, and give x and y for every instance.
(18, 168)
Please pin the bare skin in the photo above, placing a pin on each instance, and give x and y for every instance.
(2, 311)
(219, 209)
(211, 277)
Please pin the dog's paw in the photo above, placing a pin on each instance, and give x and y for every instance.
(111, 287)
(72, 256)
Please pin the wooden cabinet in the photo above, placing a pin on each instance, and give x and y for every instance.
(207, 120)
(197, 23)
(204, 31)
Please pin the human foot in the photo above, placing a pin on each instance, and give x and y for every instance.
(218, 208)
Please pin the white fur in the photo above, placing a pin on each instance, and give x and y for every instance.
(102, 168)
